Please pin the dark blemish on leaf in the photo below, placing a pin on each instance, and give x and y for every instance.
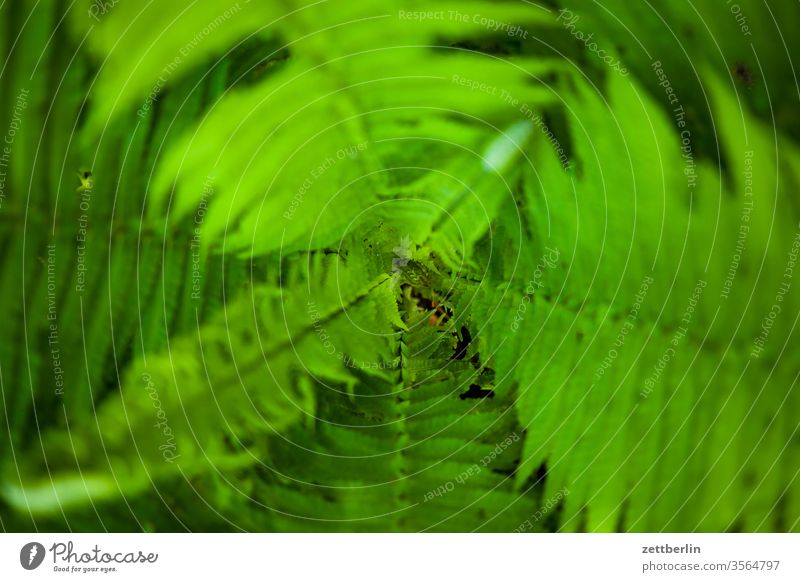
(743, 74)
(505, 472)
(582, 520)
(476, 391)
(541, 473)
(535, 483)
(623, 514)
(463, 344)
(735, 527)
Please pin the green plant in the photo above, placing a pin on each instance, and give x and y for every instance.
(344, 266)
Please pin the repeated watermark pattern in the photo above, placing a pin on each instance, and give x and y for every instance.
(348, 152)
(525, 109)
(82, 236)
(546, 262)
(491, 24)
(679, 114)
(20, 105)
(195, 244)
(744, 226)
(546, 508)
(741, 19)
(783, 290)
(170, 68)
(472, 470)
(330, 348)
(52, 322)
(569, 20)
(676, 340)
(169, 447)
(101, 8)
(627, 327)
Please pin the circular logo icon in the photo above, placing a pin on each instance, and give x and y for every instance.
(31, 555)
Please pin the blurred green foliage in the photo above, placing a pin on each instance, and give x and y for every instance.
(399, 266)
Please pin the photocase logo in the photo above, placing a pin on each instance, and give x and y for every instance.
(31, 555)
